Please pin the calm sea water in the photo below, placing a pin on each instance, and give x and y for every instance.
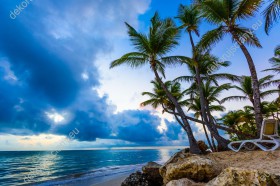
(19, 168)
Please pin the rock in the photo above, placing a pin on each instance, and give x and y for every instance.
(194, 167)
(203, 147)
(152, 171)
(175, 158)
(237, 176)
(137, 179)
(184, 182)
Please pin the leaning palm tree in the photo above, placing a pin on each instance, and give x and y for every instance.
(158, 98)
(151, 50)
(275, 61)
(272, 14)
(194, 105)
(226, 14)
(245, 86)
(189, 17)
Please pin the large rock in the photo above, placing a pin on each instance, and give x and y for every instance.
(152, 171)
(137, 179)
(186, 165)
(184, 182)
(237, 176)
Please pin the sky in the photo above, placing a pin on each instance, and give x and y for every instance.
(55, 76)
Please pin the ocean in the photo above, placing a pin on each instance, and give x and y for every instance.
(44, 168)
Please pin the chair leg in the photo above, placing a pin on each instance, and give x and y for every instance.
(262, 147)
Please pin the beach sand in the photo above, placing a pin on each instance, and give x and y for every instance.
(261, 160)
(114, 182)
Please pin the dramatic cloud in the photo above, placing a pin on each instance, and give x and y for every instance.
(49, 73)
(137, 126)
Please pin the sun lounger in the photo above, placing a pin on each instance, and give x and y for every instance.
(268, 141)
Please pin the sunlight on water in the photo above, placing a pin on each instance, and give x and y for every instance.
(18, 168)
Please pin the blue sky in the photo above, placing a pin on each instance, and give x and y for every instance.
(55, 77)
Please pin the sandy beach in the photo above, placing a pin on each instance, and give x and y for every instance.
(113, 182)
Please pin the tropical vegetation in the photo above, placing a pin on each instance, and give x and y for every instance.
(201, 102)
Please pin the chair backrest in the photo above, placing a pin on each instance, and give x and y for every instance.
(270, 127)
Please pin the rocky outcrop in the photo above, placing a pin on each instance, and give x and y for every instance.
(193, 167)
(237, 176)
(152, 171)
(137, 179)
(184, 182)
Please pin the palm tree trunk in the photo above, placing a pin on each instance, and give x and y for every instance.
(221, 141)
(206, 134)
(214, 145)
(255, 82)
(193, 143)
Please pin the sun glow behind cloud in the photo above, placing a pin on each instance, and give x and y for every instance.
(56, 117)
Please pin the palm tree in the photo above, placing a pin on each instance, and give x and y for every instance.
(208, 65)
(189, 16)
(226, 14)
(271, 109)
(211, 93)
(158, 98)
(151, 49)
(245, 86)
(241, 120)
(272, 14)
(275, 61)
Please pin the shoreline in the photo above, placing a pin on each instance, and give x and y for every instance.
(98, 177)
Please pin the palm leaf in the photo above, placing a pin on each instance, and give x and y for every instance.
(247, 8)
(272, 14)
(234, 98)
(211, 38)
(247, 36)
(133, 59)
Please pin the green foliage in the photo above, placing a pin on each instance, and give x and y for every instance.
(272, 14)
(152, 49)
(158, 98)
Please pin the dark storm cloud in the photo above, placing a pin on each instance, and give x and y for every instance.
(137, 126)
(45, 73)
(47, 48)
(174, 130)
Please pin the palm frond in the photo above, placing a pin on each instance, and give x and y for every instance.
(214, 11)
(133, 59)
(247, 8)
(184, 79)
(234, 98)
(211, 38)
(272, 14)
(225, 76)
(269, 92)
(174, 60)
(247, 36)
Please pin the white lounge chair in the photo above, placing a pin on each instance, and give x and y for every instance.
(268, 141)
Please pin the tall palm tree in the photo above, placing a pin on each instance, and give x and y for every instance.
(245, 86)
(190, 18)
(158, 98)
(275, 61)
(226, 14)
(272, 14)
(151, 50)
